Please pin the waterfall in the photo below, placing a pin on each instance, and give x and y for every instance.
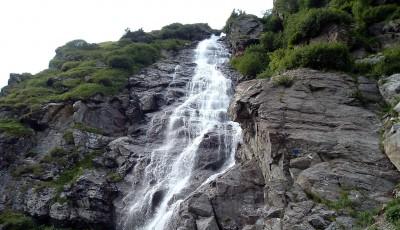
(203, 114)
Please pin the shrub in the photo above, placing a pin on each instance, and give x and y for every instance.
(272, 23)
(306, 4)
(253, 61)
(189, 32)
(390, 64)
(321, 56)
(272, 41)
(120, 61)
(309, 23)
(379, 13)
(138, 36)
(170, 44)
(14, 128)
(283, 80)
(286, 6)
(58, 152)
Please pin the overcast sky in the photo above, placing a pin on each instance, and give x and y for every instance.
(32, 29)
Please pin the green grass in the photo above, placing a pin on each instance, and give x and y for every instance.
(283, 80)
(16, 221)
(114, 177)
(392, 212)
(35, 169)
(69, 137)
(11, 220)
(14, 128)
(80, 70)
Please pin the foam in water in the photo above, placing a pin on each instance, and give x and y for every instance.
(204, 111)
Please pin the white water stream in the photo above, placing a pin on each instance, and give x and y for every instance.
(204, 111)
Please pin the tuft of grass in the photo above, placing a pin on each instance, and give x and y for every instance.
(392, 212)
(35, 169)
(86, 128)
(10, 220)
(69, 137)
(114, 177)
(283, 80)
(14, 128)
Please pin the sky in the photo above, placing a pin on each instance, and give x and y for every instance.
(31, 30)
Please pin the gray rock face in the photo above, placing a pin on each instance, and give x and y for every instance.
(115, 134)
(390, 89)
(387, 33)
(312, 140)
(232, 201)
(244, 31)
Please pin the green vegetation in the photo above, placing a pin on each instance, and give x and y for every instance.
(10, 220)
(34, 169)
(345, 205)
(69, 137)
(283, 80)
(87, 128)
(253, 61)
(114, 177)
(14, 128)
(390, 63)
(16, 221)
(290, 27)
(392, 212)
(322, 56)
(81, 70)
(309, 23)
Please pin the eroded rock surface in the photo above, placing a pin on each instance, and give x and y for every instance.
(312, 142)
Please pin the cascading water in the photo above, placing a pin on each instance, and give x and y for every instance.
(203, 112)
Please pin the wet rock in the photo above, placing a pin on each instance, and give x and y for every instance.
(236, 199)
(212, 152)
(200, 205)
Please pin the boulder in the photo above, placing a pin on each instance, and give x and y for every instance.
(244, 31)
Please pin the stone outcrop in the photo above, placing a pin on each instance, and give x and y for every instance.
(313, 141)
(244, 31)
(107, 134)
(390, 89)
(306, 148)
